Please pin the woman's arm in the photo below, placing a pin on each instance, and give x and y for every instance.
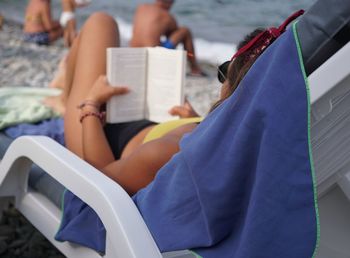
(137, 169)
(96, 149)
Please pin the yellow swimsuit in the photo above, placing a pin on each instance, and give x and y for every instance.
(163, 128)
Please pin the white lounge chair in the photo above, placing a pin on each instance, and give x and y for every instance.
(330, 97)
(130, 235)
(127, 234)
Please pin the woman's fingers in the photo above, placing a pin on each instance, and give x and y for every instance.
(102, 91)
(115, 90)
(120, 90)
(184, 111)
(175, 111)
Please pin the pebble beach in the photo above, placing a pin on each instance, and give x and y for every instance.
(23, 64)
(29, 65)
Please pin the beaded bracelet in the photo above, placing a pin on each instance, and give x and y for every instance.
(88, 103)
(99, 115)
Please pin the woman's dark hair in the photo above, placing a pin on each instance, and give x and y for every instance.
(250, 49)
(240, 66)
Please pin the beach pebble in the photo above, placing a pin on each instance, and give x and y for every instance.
(3, 247)
(6, 230)
(18, 238)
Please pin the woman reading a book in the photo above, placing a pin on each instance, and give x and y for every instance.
(239, 172)
(119, 150)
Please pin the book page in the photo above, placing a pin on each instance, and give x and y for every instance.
(165, 81)
(127, 67)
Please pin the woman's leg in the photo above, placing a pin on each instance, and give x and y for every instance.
(71, 63)
(87, 61)
(64, 80)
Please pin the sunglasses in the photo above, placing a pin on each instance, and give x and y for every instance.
(222, 71)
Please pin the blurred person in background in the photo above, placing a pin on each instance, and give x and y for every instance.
(68, 21)
(39, 26)
(69, 25)
(152, 21)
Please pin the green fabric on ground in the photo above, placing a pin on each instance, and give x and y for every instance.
(24, 105)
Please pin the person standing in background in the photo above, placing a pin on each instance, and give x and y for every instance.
(68, 21)
(154, 20)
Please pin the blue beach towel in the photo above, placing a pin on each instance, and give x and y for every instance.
(242, 184)
(52, 128)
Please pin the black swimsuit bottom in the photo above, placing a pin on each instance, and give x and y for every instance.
(118, 135)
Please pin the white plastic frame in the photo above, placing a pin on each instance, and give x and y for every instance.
(127, 234)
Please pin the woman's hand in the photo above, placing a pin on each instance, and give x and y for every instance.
(185, 111)
(102, 91)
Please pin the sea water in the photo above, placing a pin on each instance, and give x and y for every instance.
(217, 25)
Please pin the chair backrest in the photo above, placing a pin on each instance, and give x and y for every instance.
(324, 34)
(330, 118)
(323, 30)
(330, 138)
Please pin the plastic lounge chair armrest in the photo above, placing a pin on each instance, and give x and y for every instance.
(127, 234)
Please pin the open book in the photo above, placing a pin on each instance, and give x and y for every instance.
(155, 77)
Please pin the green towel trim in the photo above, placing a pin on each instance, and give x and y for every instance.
(195, 254)
(314, 181)
(62, 209)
